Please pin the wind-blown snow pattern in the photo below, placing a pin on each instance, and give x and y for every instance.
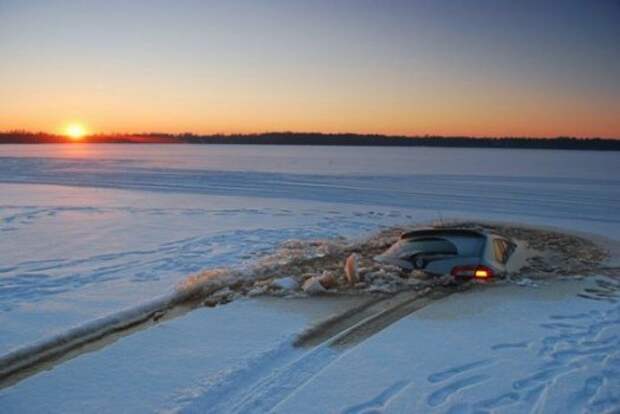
(570, 197)
(88, 230)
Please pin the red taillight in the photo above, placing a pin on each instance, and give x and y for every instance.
(478, 272)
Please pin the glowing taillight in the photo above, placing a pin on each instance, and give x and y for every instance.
(481, 273)
(478, 272)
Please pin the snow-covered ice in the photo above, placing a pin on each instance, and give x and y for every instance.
(507, 349)
(88, 230)
(170, 365)
(503, 349)
(72, 254)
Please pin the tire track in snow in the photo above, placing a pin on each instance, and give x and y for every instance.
(276, 388)
(291, 370)
(571, 352)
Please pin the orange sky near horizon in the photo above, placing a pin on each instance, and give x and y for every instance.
(390, 111)
(409, 69)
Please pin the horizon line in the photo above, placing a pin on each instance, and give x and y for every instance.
(291, 132)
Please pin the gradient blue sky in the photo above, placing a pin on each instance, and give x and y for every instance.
(477, 67)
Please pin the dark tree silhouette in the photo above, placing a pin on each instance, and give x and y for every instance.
(316, 138)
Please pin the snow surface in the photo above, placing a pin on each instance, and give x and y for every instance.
(171, 364)
(73, 254)
(540, 349)
(507, 349)
(87, 230)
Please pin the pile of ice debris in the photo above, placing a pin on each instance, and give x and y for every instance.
(339, 267)
(301, 268)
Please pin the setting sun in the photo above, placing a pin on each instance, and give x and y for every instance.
(75, 131)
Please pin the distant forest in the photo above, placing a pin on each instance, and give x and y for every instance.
(311, 138)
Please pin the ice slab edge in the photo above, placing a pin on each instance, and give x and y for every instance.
(58, 345)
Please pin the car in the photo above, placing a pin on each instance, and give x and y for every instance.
(463, 253)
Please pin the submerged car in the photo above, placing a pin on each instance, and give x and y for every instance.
(463, 253)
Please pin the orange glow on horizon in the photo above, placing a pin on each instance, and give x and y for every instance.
(412, 69)
(75, 131)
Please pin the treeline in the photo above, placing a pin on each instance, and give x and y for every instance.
(312, 138)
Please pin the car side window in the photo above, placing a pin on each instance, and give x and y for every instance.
(502, 250)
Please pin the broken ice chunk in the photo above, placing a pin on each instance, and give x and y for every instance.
(313, 286)
(285, 283)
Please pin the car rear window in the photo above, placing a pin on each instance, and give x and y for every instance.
(432, 245)
(467, 245)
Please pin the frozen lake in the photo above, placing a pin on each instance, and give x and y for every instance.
(87, 230)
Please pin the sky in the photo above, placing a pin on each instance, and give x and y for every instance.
(475, 67)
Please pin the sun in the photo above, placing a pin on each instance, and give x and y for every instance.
(75, 131)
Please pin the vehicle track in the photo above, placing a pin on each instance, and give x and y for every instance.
(288, 369)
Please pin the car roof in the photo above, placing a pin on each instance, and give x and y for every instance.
(447, 231)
